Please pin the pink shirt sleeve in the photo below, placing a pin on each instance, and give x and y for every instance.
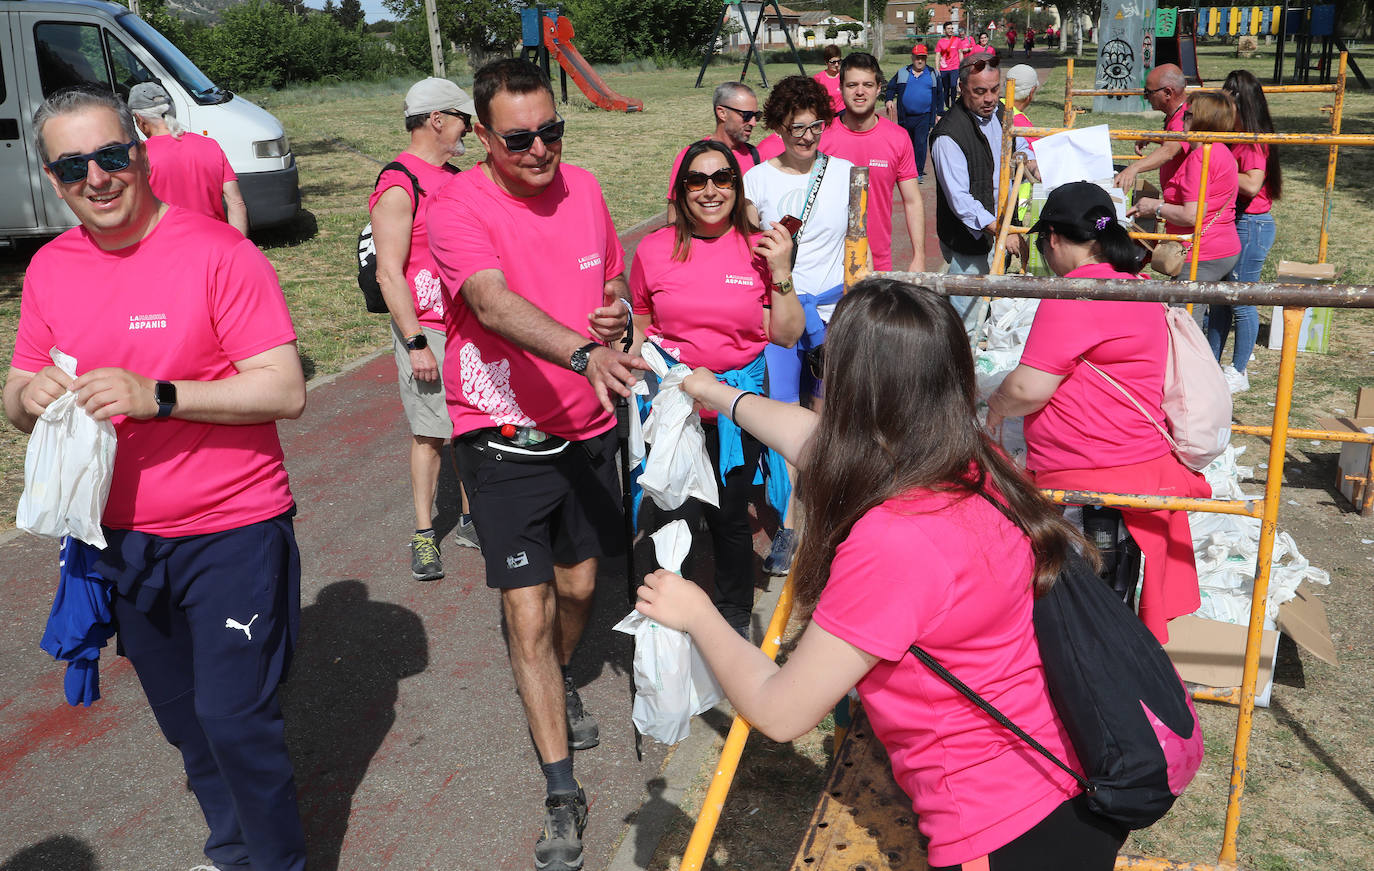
(639, 283)
(1057, 337)
(247, 304)
(461, 244)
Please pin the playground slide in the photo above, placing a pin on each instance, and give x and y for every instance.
(558, 40)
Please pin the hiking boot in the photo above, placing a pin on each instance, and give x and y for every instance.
(779, 559)
(465, 535)
(424, 557)
(584, 732)
(559, 847)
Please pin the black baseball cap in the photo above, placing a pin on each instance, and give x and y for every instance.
(1079, 204)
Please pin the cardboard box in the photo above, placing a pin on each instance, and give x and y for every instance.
(1212, 653)
(1352, 471)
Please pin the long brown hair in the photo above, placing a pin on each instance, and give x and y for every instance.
(900, 415)
(739, 212)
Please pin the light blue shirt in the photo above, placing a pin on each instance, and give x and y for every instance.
(951, 170)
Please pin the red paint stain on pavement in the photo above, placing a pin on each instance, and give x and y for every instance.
(53, 730)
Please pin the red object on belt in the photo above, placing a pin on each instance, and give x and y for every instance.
(508, 430)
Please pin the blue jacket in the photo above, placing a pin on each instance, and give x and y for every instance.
(922, 101)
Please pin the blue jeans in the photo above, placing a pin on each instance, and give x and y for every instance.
(967, 307)
(1256, 238)
(919, 130)
(949, 87)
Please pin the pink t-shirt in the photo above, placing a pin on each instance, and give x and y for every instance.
(770, 147)
(710, 308)
(183, 304)
(1174, 124)
(190, 172)
(556, 249)
(951, 574)
(832, 87)
(420, 271)
(951, 51)
(1219, 237)
(743, 156)
(1254, 156)
(886, 150)
(982, 49)
(1087, 423)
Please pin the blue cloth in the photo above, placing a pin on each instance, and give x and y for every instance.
(748, 377)
(814, 335)
(80, 621)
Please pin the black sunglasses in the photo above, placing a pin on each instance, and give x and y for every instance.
(745, 115)
(983, 63)
(111, 158)
(462, 116)
(723, 179)
(524, 140)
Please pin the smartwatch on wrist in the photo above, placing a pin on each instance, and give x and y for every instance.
(581, 357)
(417, 342)
(165, 392)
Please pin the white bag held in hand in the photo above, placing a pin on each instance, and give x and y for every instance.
(67, 469)
(678, 466)
(672, 681)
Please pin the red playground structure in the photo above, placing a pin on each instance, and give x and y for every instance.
(548, 36)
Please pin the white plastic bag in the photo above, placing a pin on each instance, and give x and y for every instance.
(678, 467)
(67, 469)
(672, 681)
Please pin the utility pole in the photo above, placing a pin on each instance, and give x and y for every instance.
(436, 40)
(133, 7)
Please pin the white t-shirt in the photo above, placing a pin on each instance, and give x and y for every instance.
(820, 253)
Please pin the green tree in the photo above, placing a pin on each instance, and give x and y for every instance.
(612, 31)
(479, 26)
(351, 14)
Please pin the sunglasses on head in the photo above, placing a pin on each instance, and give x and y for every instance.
(111, 158)
(983, 63)
(745, 115)
(723, 179)
(524, 139)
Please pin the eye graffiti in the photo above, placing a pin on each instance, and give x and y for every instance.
(1116, 65)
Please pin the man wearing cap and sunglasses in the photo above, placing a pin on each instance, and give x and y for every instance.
(736, 110)
(532, 275)
(183, 342)
(437, 115)
(966, 147)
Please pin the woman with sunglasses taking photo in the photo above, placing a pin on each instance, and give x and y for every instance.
(919, 531)
(829, 78)
(809, 192)
(1082, 432)
(712, 291)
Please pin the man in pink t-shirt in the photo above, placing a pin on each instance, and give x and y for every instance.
(186, 170)
(532, 277)
(1164, 91)
(951, 49)
(437, 114)
(865, 138)
(736, 110)
(182, 341)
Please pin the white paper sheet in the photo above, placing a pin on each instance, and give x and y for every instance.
(1083, 154)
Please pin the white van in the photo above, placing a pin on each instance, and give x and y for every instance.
(47, 45)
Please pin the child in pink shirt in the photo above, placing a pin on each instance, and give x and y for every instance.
(907, 547)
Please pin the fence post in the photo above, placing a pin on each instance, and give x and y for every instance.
(1337, 104)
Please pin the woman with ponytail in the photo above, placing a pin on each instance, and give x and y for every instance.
(905, 541)
(185, 169)
(1081, 360)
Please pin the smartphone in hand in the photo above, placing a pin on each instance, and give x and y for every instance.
(791, 224)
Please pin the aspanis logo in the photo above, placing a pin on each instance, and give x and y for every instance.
(148, 322)
(877, 163)
(745, 280)
(589, 261)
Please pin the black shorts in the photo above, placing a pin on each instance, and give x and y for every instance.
(535, 515)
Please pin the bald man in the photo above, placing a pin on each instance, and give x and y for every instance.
(1164, 91)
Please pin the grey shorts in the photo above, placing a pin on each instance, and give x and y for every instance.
(423, 401)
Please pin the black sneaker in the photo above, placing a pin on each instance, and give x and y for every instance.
(559, 847)
(584, 732)
(465, 535)
(424, 558)
(779, 559)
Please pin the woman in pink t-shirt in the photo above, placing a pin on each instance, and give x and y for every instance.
(1261, 182)
(1219, 248)
(829, 78)
(907, 545)
(712, 291)
(1082, 433)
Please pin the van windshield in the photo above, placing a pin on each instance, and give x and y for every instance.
(196, 83)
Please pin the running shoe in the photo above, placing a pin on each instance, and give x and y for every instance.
(465, 535)
(779, 559)
(559, 847)
(1239, 382)
(424, 557)
(584, 732)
